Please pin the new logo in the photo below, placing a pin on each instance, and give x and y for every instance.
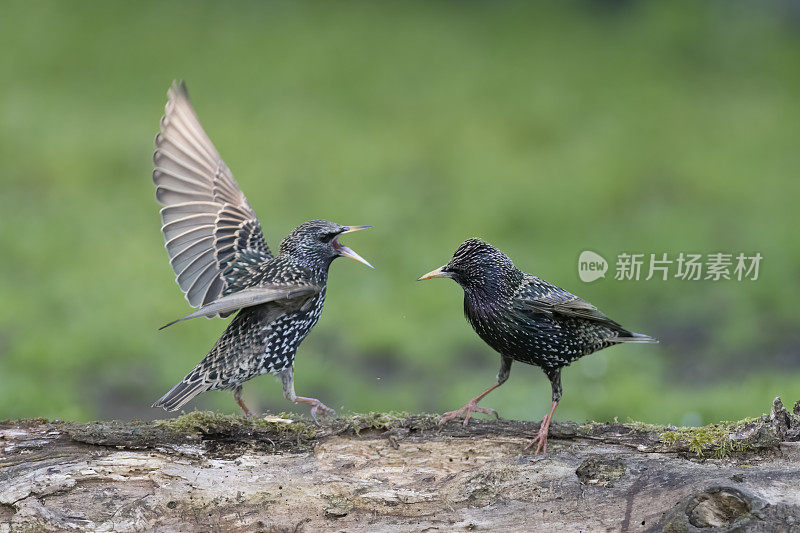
(591, 266)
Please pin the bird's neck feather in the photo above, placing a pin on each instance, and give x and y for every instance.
(317, 269)
(491, 291)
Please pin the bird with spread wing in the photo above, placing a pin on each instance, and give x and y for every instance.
(224, 266)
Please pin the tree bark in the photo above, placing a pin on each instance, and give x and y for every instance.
(398, 473)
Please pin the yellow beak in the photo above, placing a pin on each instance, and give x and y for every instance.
(438, 273)
(348, 252)
(351, 229)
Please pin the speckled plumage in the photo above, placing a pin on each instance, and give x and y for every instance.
(223, 264)
(526, 319)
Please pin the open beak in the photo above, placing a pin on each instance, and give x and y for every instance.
(438, 273)
(343, 250)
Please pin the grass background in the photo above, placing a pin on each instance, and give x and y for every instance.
(546, 129)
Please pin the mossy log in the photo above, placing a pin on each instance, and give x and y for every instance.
(384, 472)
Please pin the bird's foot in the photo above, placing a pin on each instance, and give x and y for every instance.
(541, 438)
(316, 407)
(466, 412)
(541, 443)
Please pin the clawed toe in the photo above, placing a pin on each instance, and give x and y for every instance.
(447, 417)
(466, 412)
(544, 430)
(541, 437)
(541, 444)
(488, 411)
(316, 407)
(323, 410)
(476, 409)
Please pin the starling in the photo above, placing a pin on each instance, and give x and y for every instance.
(525, 319)
(223, 264)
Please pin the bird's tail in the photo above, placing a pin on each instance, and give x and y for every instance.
(629, 336)
(181, 393)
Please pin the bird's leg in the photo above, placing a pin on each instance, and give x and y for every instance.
(544, 427)
(472, 405)
(287, 377)
(237, 394)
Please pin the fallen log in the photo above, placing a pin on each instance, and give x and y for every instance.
(386, 472)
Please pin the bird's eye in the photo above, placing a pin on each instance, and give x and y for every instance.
(327, 237)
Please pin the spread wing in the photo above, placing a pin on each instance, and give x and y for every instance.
(207, 221)
(291, 294)
(539, 296)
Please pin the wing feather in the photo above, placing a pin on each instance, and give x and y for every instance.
(182, 259)
(193, 270)
(292, 293)
(207, 222)
(180, 211)
(198, 290)
(176, 227)
(538, 296)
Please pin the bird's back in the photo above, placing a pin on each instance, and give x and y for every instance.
(254, 270)
(538, 323)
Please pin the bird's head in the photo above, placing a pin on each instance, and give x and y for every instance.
(315, 244)
(475, 265)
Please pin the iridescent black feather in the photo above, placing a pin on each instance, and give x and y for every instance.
(526, 319)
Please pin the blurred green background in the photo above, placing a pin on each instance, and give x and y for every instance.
(545, 129)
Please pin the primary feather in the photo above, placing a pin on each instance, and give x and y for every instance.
(207, 222)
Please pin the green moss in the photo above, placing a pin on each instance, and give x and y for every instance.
(372, 420)
(288, 424)
(200, 420)
(211, 422)
(359, 422)
(590, 428)
(643, 426)
(711, 440)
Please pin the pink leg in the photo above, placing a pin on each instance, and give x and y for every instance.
(287, 377)
(471, 407)
(544, 428)
(316, 405)
(237, 394)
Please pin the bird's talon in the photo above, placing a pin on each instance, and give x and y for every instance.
(317, 406)
(447, 417)
(490, 411)
(540, 441)
(466, 412)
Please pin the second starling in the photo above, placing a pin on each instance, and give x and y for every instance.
(525, 319)
(223, 264)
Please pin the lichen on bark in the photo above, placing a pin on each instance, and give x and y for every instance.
(397, 472)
